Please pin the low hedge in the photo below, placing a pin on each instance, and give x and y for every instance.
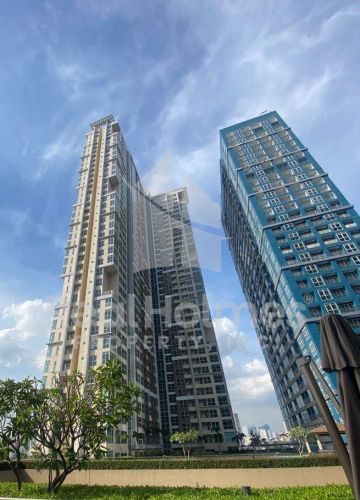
(76, 492)
(201, 463)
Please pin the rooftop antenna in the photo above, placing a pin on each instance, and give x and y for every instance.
(263, 112)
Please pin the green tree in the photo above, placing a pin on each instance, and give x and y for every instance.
(185, 438)
(254, 440)
(16, 399)
(300, 435)
(219, 438)
(239, 438)
(71, 426)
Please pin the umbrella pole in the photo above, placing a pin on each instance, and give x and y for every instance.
(326, 387)
(304, 365)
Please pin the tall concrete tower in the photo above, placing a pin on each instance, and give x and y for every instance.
(113, 274)
(295, 241)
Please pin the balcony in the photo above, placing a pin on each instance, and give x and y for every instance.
(113, 177)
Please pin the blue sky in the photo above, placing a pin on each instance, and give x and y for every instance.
(173, 73)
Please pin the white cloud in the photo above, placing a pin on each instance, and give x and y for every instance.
(253, 386)
(67, 146)
(328, 28)
(230, 339)
(239, 77)
(248, 380)
(23, 339)
(251, 391)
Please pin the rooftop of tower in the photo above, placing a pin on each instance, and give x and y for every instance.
(182, 191)
(102, 121)
(250, 121)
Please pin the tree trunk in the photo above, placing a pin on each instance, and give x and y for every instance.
(16, 473)
(54, 486)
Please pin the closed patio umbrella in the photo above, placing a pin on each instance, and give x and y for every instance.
(340, 352)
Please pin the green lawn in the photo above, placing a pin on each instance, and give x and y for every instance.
(75, 492)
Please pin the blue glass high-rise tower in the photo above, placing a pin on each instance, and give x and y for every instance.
(295, 242)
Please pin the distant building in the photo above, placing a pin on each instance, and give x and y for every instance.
(237, 423)
(245, 430)
(264, 431)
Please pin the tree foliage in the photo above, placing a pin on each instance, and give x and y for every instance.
(17, 401)
(185, 438)
(218, 436)
(66, 424)
(300, 435)
(254, 440)
(239, 438)
(71, 426)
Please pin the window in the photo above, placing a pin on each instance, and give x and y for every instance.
(92, 360)
(332, 278)
(93, 345)
(294, 236)
(305, 257)
(275, 201)
(318, 281)
(107, 315)
(343, 263)
(306, 184)
(283, 217)
(289, 227)
(316, 199)
(331, 308)
(329, 217)
(227, 424)
(315, 311)
(354, 322)
(279, 209)
(353, 275)
(311, 269)
(347, 306)
(106, 342)
(66, 365)
(299, 246)
(325, 294)
(350, 247)
(338, 292)
(356, 259)
(342, 236)
(106, 356)
(310, 192)
(336, 226)
(322, 208)
(325, 266)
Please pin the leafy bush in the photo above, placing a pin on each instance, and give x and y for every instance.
(76, 492)
(200, 463)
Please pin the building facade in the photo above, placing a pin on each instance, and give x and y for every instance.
(105, 310)
(192, 387)
(294, 239)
